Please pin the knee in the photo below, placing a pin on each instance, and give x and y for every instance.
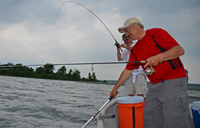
(148, 117)
(152, 119)
(177, 122)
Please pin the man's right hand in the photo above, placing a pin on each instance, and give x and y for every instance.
(114, 93)
(117, 45)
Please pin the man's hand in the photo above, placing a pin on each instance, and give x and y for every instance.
(173, 53)
(114, 93)
(117, 45)
(123, 45)
(126, 46)
(153, 61)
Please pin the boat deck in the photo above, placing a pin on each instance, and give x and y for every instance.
(111, 109)
(190, 122)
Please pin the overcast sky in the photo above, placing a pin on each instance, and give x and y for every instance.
(32, 33)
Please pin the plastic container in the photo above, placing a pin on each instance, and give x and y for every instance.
(130, 111)
(196, 113)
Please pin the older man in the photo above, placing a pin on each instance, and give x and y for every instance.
(166, 102)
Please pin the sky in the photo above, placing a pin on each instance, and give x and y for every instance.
(32, 32)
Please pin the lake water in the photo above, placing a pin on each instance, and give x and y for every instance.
(39, 103)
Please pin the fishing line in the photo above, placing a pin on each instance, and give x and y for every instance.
(116, 43)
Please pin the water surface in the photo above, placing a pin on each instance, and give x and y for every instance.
(39, 103)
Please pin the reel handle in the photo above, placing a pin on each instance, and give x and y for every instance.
(149, 71)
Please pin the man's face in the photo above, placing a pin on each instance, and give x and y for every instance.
(130, 31)
(128, 41)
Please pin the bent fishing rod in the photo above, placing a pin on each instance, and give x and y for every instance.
(116, 43)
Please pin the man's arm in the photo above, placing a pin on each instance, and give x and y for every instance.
(173, 53)
(123, 77)
(119, 55)
(127, 47)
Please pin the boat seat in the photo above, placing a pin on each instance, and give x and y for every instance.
(107, 116)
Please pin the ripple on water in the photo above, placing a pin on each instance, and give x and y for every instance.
(38, 103)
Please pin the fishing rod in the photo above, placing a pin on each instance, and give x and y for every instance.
(148, 71)
(98, 112)
(136, 62)
(116, 43)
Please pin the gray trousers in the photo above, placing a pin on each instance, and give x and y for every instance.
(139, 87)
(166, 104)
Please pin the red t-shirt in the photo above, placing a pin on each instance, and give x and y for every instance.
(155, 42)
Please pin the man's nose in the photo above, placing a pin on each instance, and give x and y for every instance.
(127, 34)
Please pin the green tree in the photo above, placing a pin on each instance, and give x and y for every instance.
(45, 72)
(18, 65)
(23, 68)
(9, 64)
(94, 78)
(70, 74)
(62, 70)
(49, 68)
(83, 79)
(89, 76)
(76, 75)
(40, 70)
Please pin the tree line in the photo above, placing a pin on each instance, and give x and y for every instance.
(44, 72)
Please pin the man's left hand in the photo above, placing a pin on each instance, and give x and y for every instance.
(153, 61)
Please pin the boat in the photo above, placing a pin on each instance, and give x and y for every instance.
(108, 116)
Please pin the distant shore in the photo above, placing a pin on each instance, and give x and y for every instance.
(191, 86)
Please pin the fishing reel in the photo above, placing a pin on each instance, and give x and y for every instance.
(117, 45)
(149, 71)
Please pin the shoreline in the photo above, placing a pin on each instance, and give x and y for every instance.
(108, 82)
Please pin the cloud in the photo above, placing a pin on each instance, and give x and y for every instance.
(191, 63)
(32, 33)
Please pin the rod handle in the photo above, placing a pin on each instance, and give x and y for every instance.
(111, 97)
(143, 62)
